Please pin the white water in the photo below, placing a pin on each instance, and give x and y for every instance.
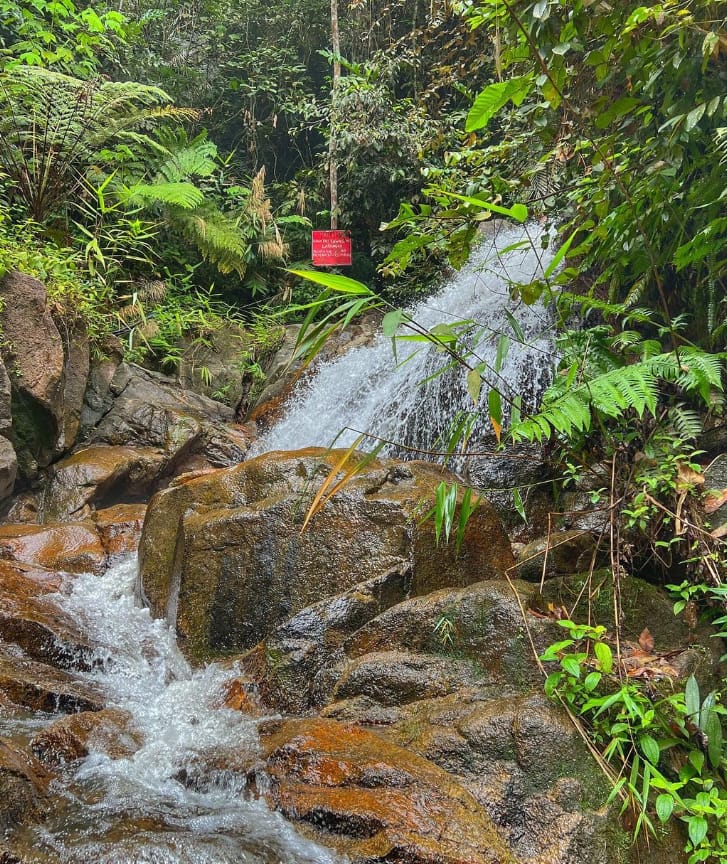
(366, 390)
(135, 810)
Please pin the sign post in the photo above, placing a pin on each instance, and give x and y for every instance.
(331, 249)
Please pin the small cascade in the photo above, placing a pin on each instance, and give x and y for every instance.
(143, 809)
(402, 399)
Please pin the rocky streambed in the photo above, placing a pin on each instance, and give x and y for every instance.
(252, 692)
(376, 689)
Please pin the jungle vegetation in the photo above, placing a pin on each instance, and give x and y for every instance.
(165, 161)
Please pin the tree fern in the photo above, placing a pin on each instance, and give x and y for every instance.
(52, 127)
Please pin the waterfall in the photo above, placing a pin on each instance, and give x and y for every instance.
(142, 809)
(403, 399)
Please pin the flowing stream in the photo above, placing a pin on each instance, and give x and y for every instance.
(164, 804)
(404, 400)
(137, 810)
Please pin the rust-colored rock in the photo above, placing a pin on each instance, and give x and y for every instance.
(76, 735)
(100, 475)
(43, 688)
(74, 547)
(231, 543)
(23, 787)
(120, 528)
(32, 621)
(372, 800)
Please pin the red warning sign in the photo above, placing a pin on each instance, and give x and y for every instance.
(331, 249)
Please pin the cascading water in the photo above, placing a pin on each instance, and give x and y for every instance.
(164, 804)
(135, 810)
(405, 400)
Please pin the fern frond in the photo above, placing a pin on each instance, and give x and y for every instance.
(218, 237)
(184, 195)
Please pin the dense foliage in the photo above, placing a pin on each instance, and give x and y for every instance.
(145, 204)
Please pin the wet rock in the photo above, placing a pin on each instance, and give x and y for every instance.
(150, 410)
(43, 688)
(29, 619)
(74, 547)
(372, 800)
(77, 352)
(6, 417)
(23, 788)
(8, 468)
(223, 555)
(559, 553)
(76, 735)
(295, 668)
(715, 485)
(98, 398)
(34, 360)
(23, 508)
(120, 528)
(99, 476)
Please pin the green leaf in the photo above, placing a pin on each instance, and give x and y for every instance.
(593, 679)
(664, 807)
(698, 828)
(494, 405)
(519, 212)
(340, 284)
(604, 657)
(559, 255)
(392, 321)
(571, 666)
(494, 98)
(474, 384)
(714, 739)
(650, 748)
(691, 698)
(517, 501)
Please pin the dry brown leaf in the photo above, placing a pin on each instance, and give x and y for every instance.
(646, 640)
(689, 477)
(720, 532)
(714, 500)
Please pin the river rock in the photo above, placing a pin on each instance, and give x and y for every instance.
(151, 410)
(223, 556)
(8, 468)
(23, 788)
(74, 547)
(453, 677)
(120, 529)
(98, 398)
(35, 362)
(6, 415)
(76, 367)
(43, 688)
(100, 476)
(559, 553)
(372, 800)
(76, 735)
(29, 619)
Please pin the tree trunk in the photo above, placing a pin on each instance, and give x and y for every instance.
(333, 167)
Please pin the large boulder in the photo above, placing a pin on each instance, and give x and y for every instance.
(372, 800)
(224, 558)
(453, 677)
(74, 547)
(8, 468)
(151, 410)
(99, 476)
(34, 357)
